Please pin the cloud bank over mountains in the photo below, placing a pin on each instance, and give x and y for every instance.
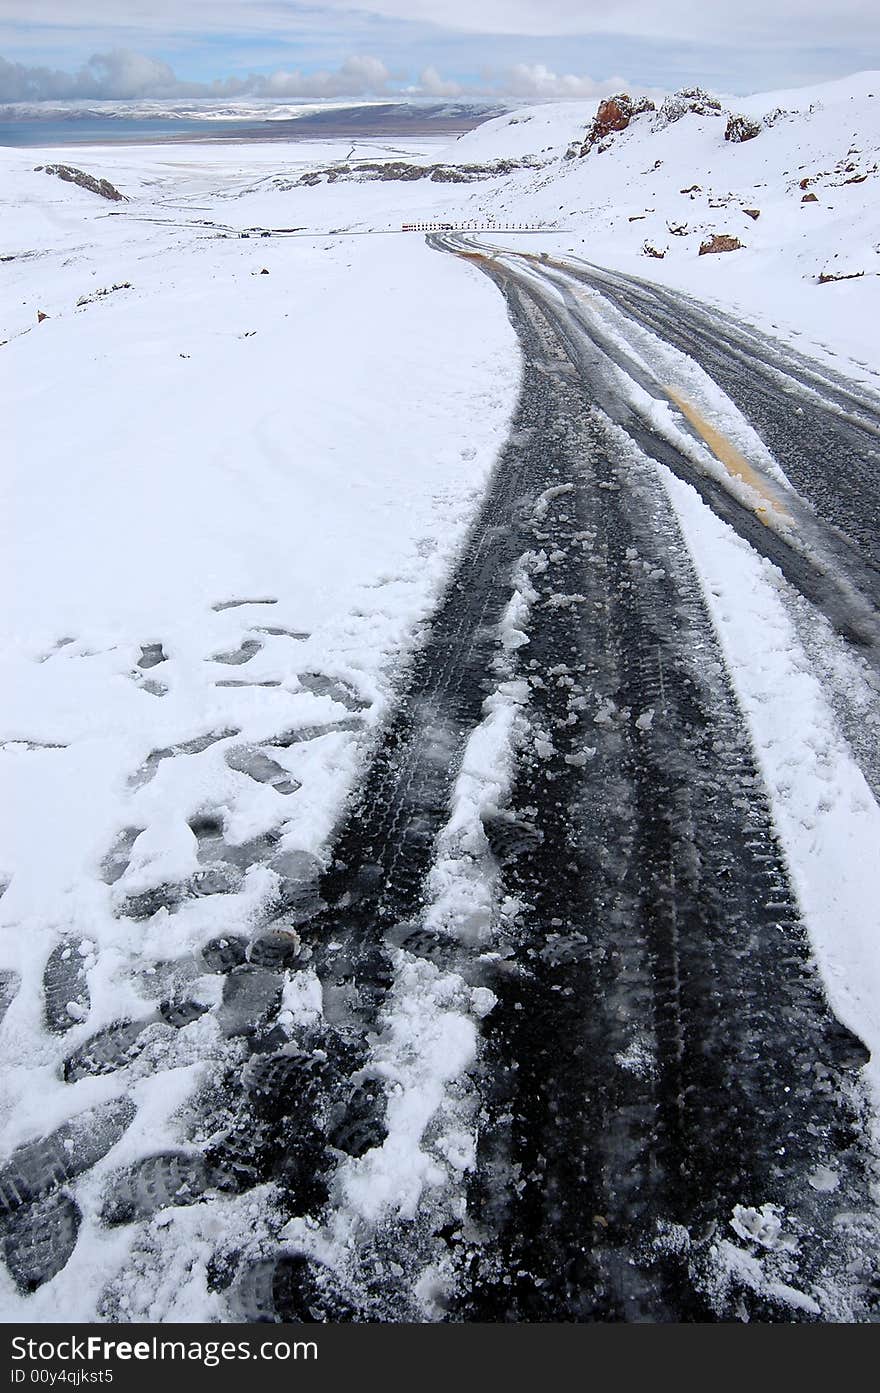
(124, 75)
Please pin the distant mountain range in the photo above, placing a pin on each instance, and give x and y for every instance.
(395, 117)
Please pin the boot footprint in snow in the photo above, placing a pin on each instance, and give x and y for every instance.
(38, 1240)
(109, 1050)
(167, 1180)
(9, 984)
(65, 988)
(44, 1165)
(359, 1124)
(289, 1289)
(118, 1044)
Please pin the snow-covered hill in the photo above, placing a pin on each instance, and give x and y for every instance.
(801, 196)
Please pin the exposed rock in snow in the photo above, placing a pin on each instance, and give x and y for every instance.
(70, 175)
(614, 114)
(690, 100)
(740, 128)
(720, 242)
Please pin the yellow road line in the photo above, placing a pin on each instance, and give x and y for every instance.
(728, 455)
(723, 449)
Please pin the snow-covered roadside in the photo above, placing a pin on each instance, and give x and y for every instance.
(314, 437)
(827, 817)
(235, 488)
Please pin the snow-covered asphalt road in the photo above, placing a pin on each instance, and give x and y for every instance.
(809, 500)
(661, 1057)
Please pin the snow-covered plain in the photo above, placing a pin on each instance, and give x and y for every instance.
(212, 437)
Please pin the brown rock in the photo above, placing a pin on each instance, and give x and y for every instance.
(648, 250)
(753, 213)
(720, 242)
(613, 115)
(41, 316)
(264, 272)
(809, 198)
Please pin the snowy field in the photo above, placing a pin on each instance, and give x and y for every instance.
(239, 469)
(255, 482)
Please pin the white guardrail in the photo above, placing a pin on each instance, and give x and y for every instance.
(472, 227)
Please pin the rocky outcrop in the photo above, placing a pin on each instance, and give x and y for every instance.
(740, 128)
(400, 171)
(720, 242)
(690, 100)
(102, 187)
(777, 114)
(614, 114)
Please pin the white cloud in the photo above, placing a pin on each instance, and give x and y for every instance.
(536, 80)
(125, 75)
(431, 84)
(119, 73)
(122, 73)
(358, 76)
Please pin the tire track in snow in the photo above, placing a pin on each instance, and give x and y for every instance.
(665, 1085)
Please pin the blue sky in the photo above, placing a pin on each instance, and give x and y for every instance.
(514, 48)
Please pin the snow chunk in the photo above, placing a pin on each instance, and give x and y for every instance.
(482, 1001)
(762, 1225)
(646, 720)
